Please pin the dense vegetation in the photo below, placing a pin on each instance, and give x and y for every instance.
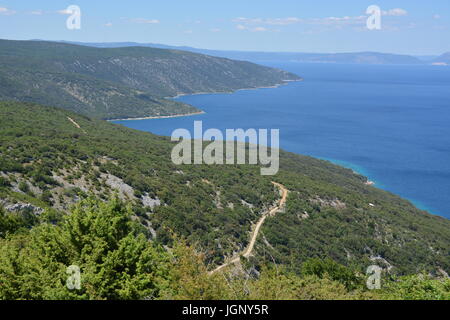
(122, 82)
(52, 158)
(116, 261)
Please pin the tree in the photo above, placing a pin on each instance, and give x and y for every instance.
(329, 269)
(115, 259)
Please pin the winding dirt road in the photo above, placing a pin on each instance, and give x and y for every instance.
(249, 250)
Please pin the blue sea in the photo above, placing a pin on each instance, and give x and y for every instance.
(390, 123)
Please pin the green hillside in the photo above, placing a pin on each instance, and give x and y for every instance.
(85, 192)
(51, 158)
(114, 83)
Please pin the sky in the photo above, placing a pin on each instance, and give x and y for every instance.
(414, 27)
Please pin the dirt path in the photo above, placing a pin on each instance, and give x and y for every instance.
(76, 124)
(254, 236)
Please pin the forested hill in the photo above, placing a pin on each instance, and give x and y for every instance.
(113, 83)
(51, 158)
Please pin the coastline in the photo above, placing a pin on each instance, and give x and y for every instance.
(285, 82)
(376, 184)
(160, 117)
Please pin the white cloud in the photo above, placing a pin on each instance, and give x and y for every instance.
(260, 24)
(284, 21)
(269, 21)
(215, 30)
(6, 11)
(65, 11)
(109, 24)
(248, 20)
(397, 12)
(258, 29)
(145, 21)
(188, 31)
(338, 21)
(436, 16)
(252, 29)
(330, 21)
(37, 12)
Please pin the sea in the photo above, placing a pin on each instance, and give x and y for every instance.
(390, 123)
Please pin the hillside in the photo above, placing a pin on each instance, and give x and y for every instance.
(120, 82)
(52, 158)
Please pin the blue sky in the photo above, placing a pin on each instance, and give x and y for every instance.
(408, 26)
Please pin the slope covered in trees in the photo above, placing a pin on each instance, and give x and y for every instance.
(120, 82)
(116, 261)
(52, 159)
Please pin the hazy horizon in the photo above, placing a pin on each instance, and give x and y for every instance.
(423, 56)
(409, 28)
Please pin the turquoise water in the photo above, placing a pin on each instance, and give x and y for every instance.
(390, 123)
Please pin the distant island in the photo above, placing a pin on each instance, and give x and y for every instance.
(443, 59)
(260, 56)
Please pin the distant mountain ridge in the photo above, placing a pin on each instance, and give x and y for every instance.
(445, 58)
(113, 83)
(255, 56)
